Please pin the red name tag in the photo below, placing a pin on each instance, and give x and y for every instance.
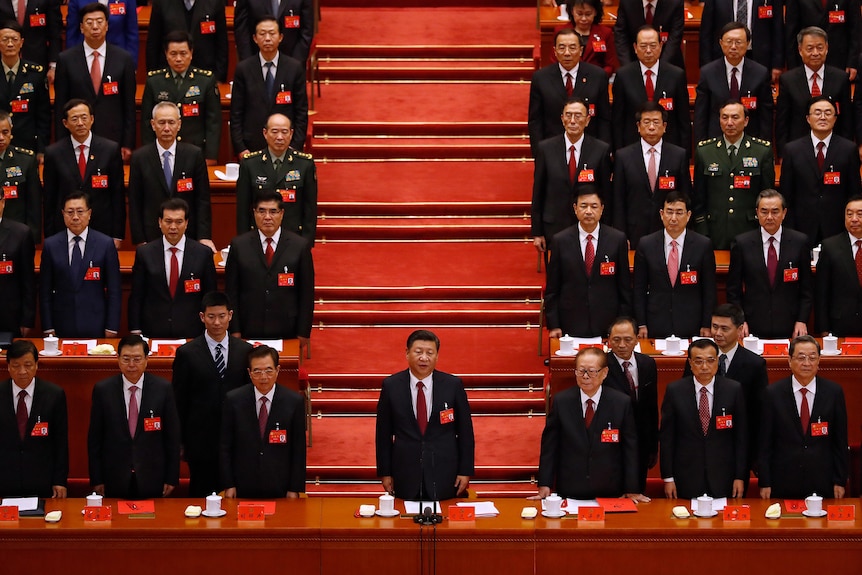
(167, 350)
(791, 275)
(100, 513)
(278, 436)
(836, 16)
(599, 46)
(74, 349)
(40, 430)
(775, 349)
(283, 98)
(688, 278)
(764, 12)
(99, 182)
(447, 416)
(208, 27)
(7, 268)
(607, 268)
(667, 182)
(10, 192)
(585, 176)
(152, 424)
(461, 513)
(737, 513)
(841, 513)
(724, 422)
(37, 20)
(110, 88)
(794, 505)
(191, 110)
(591, 110)
(245, 512)
(117, 9)
(750, 102)
(743, 182)
(185, 185)
(610, 436)
(851, 348)
(591, 513)
(663, 37)
(666, 103)
(291, 21)
(93, 274)
(8, 513)
(285, 280)
(820, 429)
(19, 106)
(192, 286)
(288, 196)
(832, 178)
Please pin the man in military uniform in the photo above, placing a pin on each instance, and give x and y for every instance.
(729, 173)
(194, 90)
(24, 93)
(19, 176)
(277, 167)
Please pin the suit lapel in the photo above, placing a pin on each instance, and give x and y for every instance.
(789, 401)
(405, 400)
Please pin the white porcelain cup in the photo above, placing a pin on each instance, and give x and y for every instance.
(814, 503)
(231, 170)
(553, 504)
(830, 343)
(224, 253)
(386, 504)
(51, 344)
(815, 255)
(567, 344)
(672, 344)
(213, 503)
(704, 505)
(94, 500)
(751, 343)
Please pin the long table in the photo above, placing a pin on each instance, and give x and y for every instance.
(322, 535)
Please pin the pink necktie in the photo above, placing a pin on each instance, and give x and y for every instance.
(22, 11)
(262, 416)
(175, 272)
(673, 263)
(858, 259)
(652, 170)
(703, 409)
(804, 412)
(96, 73)
(771, 261)
(633, 391)
(589, 413)
(133, 410)
(421, 408)
(589, 254)
(734, 84)
(21, 414)
(569, 87)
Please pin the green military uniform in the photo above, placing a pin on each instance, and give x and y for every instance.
(296, 180)
(198, 97)
(22, 189)
(26, 100)
(726, 188)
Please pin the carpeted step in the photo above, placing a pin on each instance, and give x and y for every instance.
(440, 313)
(428, 293)
(431, 73)
(334, 152)
(328, 210)
(325, 129)
(517, 52)
(492, 382)
(439, 227)
(481, 402)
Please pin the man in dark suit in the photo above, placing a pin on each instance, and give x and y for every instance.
(769, 276)
(263, 455)
(674, 277)
(644, 173)
(270, 276)
(424, 432)
(24, 92)
(79, 277)
(169, 279)
(42, 28)
(565, 163)
(590, 444)
(17, 275)
(636, 375)
(103, 75)
(205, 25)
(205, 369)
(733, 76)
(553, 85)
(765, 20)
(838, 301)
(22, 188)
(133, 442)
(803, 438)
(819, 173)
(292, 174)
(85, 163)
(797, 86)
(267, 83)
(666, 16)
(838, 18)
(34, 436)
(294, 17)
(648, 79)
(704, 431)
(168, 169)
(588, 274)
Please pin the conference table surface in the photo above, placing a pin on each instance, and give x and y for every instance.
(323, 535)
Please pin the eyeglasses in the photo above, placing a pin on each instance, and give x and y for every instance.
(592, 372)
(261, 372)
(822, 113)
(700, 362)
(131, 359)
(802, 358)
(77, 212)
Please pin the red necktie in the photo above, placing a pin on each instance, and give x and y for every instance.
(133, 410)
(96, 73)
(82, 161)
(269, 252)
(569, 87)
(648, 15)
(650, 87)
(421, 408)
(673, 263)
(175, 272)
(573, 165)
(633, 391)
(821, 157)
(858, 259)
(815, 89)
(734, 84)
(703, 409)
(21, 414)
(804, 411)
(772, 261)
(589, 413)
(589, 254)
(22, 11)
(262, 416)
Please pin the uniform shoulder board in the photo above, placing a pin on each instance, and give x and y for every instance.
(202, 72)
(24, 151)
(303, 155)
(156, 72)
(253, 154)
(36, 67)
(705, 142)
(762, 142)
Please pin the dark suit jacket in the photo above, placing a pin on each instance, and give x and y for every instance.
(250, 105)
(255, 466)
(582, 305)
(645, 406)
(263, 309)
(210, 52)
(843, 37)
(838, 301)
(713, 91)
(795, 464)
(771, 312)
(19, 287)
(148, 189)
(428, 462)
(296, 42)
(702, 463)
(199, 393)
(814, 208)
(33, 465)
(153, 456)
(62, 177)
(767, 33)
(32, 129)
(668, 17)
(73, 306)
(679, 310)
(630, 94)
(122, 28)
(42, 43)
(636, 205)
(792, 104)
(152, 310)
(554, 195)
(548, 96)
(574, 460)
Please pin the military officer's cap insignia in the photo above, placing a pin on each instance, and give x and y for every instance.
(292, 176)
(14, 172)
(193, 92)
(27, 88)
(748, 162)
(712, 168)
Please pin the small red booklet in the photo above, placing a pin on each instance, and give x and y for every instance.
(268, 506)
(617, 505)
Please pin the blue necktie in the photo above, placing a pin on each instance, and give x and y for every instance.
(169, 173)
(77, 259)
(270, 80)
(219, 361)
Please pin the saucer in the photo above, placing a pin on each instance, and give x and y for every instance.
(836, 352)
(562, 353)
(219, 513)
(706, 515)
(224, 177)
(45, 353)
(808, 513)
(673, 353)
(393, 513)
(553, 515)
(222, 264)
